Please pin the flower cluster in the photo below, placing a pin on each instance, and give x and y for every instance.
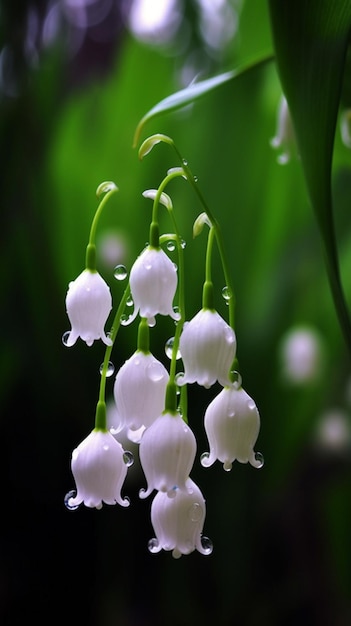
(150, 401)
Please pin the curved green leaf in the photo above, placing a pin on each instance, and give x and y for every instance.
(195, 91)
(310, 41)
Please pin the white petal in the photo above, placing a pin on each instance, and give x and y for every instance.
(167, 452)
(88, 304)
(207, 346)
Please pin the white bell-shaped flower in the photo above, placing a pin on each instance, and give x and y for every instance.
(232, 424)
(99, 466)
(88, 304)
(153, 283)
(167, 453)
(139, 390)
(208, 347)
(178, 522)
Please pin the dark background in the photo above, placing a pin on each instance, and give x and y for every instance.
(74, 82)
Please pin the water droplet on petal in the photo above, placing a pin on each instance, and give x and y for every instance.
(207, 544)
(203, 458)
(237, 380)
(175, 266)
(155, 371)
(171, 246)
(176, 553)
(251, 405)
(226, 293)
(171, 493)
(128, 458)
(231, 412)
(65, 337)
(178, 378)
(169, 348)
(195, 512)
(109, 371)
(68, 499)
(227, 466)
(120, 272)
(259, 460)
(126, 319)
(153, 545)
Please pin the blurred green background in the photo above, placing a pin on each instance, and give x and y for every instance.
(76, 76)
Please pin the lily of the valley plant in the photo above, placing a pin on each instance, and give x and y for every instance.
(151, 399)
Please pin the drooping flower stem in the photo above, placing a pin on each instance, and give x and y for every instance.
(143, 336)
(171, 392)
(154, 239)
(207, 292)
(144, 149)
(108, 188)
(100, 418)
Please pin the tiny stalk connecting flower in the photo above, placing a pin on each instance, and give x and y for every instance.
(160, 197)
(108, 188)
(144, 149)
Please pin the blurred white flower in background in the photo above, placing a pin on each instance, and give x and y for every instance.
(301, 355)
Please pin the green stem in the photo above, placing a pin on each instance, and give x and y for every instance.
(90, 256)
(219, 238)
(100, 419)
(144, 336)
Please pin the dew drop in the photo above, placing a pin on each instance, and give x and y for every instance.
(195, 512)
(207, 544)
(128, 458)
(182, 243)
(195, 179)
(169, 348)
(110, 369)
(155, 371)
(125, 319)
(120, 272)
(226, 293)
(251, 405)
(67, 499)
(130, 301)
(176, 553)
(175, 267)
(65, 337)
(153, 545)
(237, 380)
(171, 493)
(204, 458)
(259, 460)
(171, 246)
(227, 466)
(231, 413)
(185, 162)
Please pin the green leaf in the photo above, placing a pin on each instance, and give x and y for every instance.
(310, 41)
(195, 91)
